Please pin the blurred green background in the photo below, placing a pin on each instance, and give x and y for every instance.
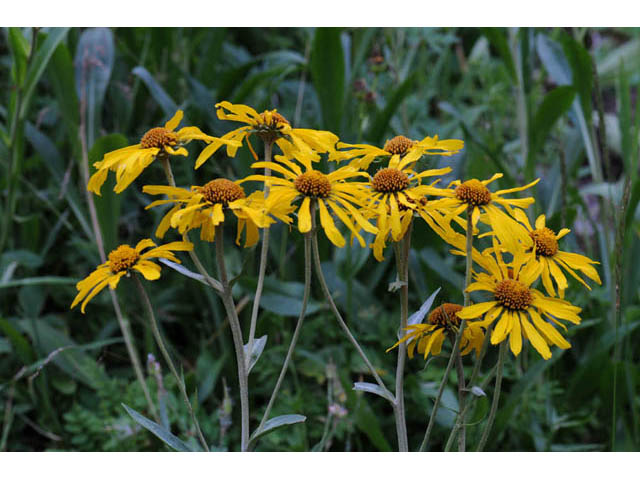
(560, 104)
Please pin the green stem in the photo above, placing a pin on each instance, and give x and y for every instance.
(236, 333)
(496, 398)
(296, 332)
(167, 358)
(336, 312)
(264, 254)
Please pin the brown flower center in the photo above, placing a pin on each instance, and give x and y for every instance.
(473, 192)
(122, 258)
(390, 180)
(313, 184)
(513, 295)
(546, 242)
(445, 315)
(398, 145)
(271, 118)
(222, 191)
(158, 137)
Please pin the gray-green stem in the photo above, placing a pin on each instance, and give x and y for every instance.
(296, 332)
(336, 312)
(496, 398)
(264, 256)
(236, 333)
(167, 358)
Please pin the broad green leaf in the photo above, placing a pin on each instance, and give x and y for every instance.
(627, 53)
(581, 71)
(373, 388)
(162, 98)
(277, 422)
(383, 118)
(498, 40)
(167, 437)
(19, 52)
(328, 75)
(62, 77)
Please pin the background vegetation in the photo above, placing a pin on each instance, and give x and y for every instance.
(550, 103)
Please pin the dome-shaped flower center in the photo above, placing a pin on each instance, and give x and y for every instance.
(546, 242)
(313, 184)
(513, 295)
(271, 118)
(122, 258)
(390, 180)
(445, 315)
(221, 191)
(398, 145)
(158, 137)
(473, 192)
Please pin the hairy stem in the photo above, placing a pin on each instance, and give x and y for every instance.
(236, 333)
(264, 254)
(296, 332)
(496, 398)
(167, 358)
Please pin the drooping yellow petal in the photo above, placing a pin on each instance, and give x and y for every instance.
(174, 121)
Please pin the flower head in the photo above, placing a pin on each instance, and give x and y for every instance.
(517, 309)
(204, 207)
(443, 321)
(361, 156)
(272, 127)
(129, 162)
(122, 261)
(330, 191)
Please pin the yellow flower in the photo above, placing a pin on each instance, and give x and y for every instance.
(121, 261)
(396, 194)
(518, 309)
(129, 162)
(361, 156)
(203, 207)
(475, 196)
(330, 191)
(271, 127)
(442, 321)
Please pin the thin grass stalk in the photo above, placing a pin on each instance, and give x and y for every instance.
(236, 333)
(264, 257)
(402, 249)
(496, 397)
(336, 312)
(167, 358)
(298, 329)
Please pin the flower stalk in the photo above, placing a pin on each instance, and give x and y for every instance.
(496, 398)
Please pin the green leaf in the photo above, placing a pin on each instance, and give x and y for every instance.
(162, 98)
(94, 59)
(328, 75)
(581, 71)
(372, 388)
(19, 51)
(499, 41)
(256, 351)
(61, 75)
(45, 280)
(277, 422)
(38, 64)
(383, 118)
(20, 344)
(108, 204)
(167, 437)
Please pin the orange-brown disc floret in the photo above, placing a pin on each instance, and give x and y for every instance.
(445, 315)
(390, 180)
(398, 145)
(273, 118)
(222, 191)
(513, 295)
(158, 137)
(313, 184)
(473, 192)
(546, 242)
(122, 258)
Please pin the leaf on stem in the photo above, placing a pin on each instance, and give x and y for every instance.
(160, 432)
(373, 388)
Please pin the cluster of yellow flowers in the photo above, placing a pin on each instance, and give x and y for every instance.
(383, 204)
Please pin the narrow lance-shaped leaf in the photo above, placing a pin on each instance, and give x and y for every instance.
(160, 432)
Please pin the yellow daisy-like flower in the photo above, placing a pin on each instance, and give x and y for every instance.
(271, 127)
(542, 242)
(362, 155)
(518, 309)
(204, 206)
(121, 262)
(129, 162)
(442, 322)
(396, 195)
(330, 191)
(474, 196)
